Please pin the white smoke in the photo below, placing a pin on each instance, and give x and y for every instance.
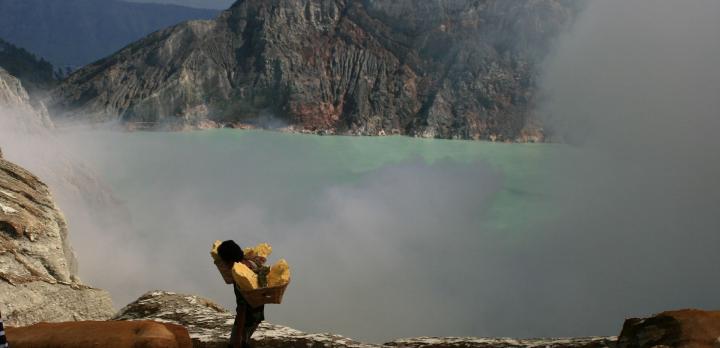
(635, 88)
(624, 223)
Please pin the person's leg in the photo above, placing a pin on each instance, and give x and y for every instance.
(3, 341)
(249, 330)
(237, 334)
(233, 334)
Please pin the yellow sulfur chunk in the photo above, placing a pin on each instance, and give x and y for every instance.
(279, 274)
(244, 277)
(214, 251)
(262, 250)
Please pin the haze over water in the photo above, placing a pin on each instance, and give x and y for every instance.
(399, 237)
(380, 232)
(393, 237)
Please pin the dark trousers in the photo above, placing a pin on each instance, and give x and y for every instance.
(241, 332)
(3, 340)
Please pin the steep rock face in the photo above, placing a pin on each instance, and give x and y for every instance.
(449, 68)
(209, 326)
(686, 328)
(38, 280)
(14, 98)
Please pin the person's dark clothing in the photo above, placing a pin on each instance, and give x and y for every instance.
(247, 319)
(253, 316)
(3, 340)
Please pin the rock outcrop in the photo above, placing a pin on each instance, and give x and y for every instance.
(38, 269)
(209, 326)
(685, 328)
(14, 98)
(447, 69)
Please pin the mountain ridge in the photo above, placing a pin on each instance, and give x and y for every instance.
(36, 73)
(73, 33)
(448, 69)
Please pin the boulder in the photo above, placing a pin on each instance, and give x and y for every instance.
(107, 334)
(38, 269)
(684, 328)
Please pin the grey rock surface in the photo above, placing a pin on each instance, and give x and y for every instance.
(14, 98)
(447, 69)
(209, 326)
(38, 269)
(474, 342)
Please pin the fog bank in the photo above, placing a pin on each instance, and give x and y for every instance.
(634, 87)
(393, 237)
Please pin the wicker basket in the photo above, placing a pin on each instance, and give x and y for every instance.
(259, 297)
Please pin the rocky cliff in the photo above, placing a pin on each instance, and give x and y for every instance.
(38, 270)
(14, 98)
(209, 326)
(38, 279)
(448, 69)
(38, 276)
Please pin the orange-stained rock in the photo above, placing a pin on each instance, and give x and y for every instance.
(446, 69)
(107, 334)
(685, 328)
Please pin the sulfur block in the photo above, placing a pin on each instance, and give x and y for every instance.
(244, 277)
(214, 251)
(279, 274)
(262, 250)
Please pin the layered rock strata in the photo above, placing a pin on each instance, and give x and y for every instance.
(446, 69)
(38, 269)
(14, 98)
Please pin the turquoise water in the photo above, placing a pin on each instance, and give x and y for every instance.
(384, 234)
(304, 165)
(394, 237)
(381, 202)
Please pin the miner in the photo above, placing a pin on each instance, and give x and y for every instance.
(247, 318)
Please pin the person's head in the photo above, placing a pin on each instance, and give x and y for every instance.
(230, 252)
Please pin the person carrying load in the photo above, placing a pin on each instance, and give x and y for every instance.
(254, 285)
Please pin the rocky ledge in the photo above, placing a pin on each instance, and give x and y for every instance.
(38, 270)
(209, 326)
(445, 69)
(685, 328)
